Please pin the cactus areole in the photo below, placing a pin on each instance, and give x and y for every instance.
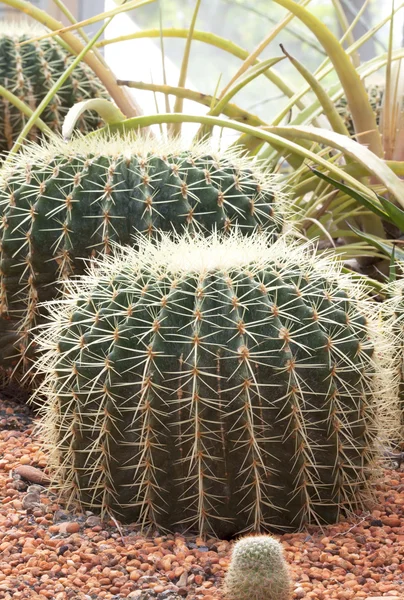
(62, 203)
(217, 385)
(29, 71)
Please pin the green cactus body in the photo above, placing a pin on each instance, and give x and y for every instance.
(393, 309)
(220, 385)
(375, 94)
(69, 202)
(29, 71)
(258, 571)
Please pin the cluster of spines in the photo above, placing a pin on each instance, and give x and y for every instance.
(65, 203)
(29, 71)
(245, 391)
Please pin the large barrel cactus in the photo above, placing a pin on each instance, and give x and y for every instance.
(63, 203)
(393, 309)
(216, 384)
(29, 71)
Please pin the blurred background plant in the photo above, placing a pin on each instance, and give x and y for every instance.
(298, 107)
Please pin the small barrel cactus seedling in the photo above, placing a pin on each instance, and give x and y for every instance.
(375, 94)
(216, 384)
(258, 570)
(63, 203)
(29, 71)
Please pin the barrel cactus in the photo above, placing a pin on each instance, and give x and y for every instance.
(258, 570)
(29, 71)
(63, 203)
(393, 309)
(216, 384)
(375, 94)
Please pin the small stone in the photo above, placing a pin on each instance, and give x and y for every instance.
(36, 489)
(30, 501)
(73, 527)
(376, 523)
(392, 521)
(300, 592)
(32, 474)
(60, 515)
(93, 521)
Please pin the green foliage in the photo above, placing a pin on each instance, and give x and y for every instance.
(216, 384)
(29, 71)
(67, 202)
(258, 570)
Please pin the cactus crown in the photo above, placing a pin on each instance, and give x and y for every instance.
(30, 70)
(257, 570)
(236, 381)
(256, 552)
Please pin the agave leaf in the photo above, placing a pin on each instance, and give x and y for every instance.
(24, 108)
(77, 25)
(396, 215)
(392, 268)
(230, 110)
(386, 247)
(328, 106)
(175, 128)
(106, 109)
(357, 152)
(367, 202)
(252, 73)
(359, 105)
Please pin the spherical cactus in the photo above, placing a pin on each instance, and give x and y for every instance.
(67, 202)
(29, 71)
(258, 570)
(375, 94)
(219, 384)
(393, 309)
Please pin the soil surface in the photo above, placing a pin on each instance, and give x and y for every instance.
(49, 552)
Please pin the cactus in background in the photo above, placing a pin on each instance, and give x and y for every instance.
(258, 571)
(219, 384)
(29, 71)
(375, 93)
(67, 202)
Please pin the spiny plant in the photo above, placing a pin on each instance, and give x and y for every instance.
(62, 203)
(393, 309)
(29, 71)
(216, 384)
(258, 570)
(375, 94)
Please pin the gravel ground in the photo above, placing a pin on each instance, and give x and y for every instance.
(47, 551)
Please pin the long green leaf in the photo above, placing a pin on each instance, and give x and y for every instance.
(106, 109)
(211, 39)
(175, 128)
(357, 152)
(369, 204)
(328, 106)
(386, 247)
(361, 110)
